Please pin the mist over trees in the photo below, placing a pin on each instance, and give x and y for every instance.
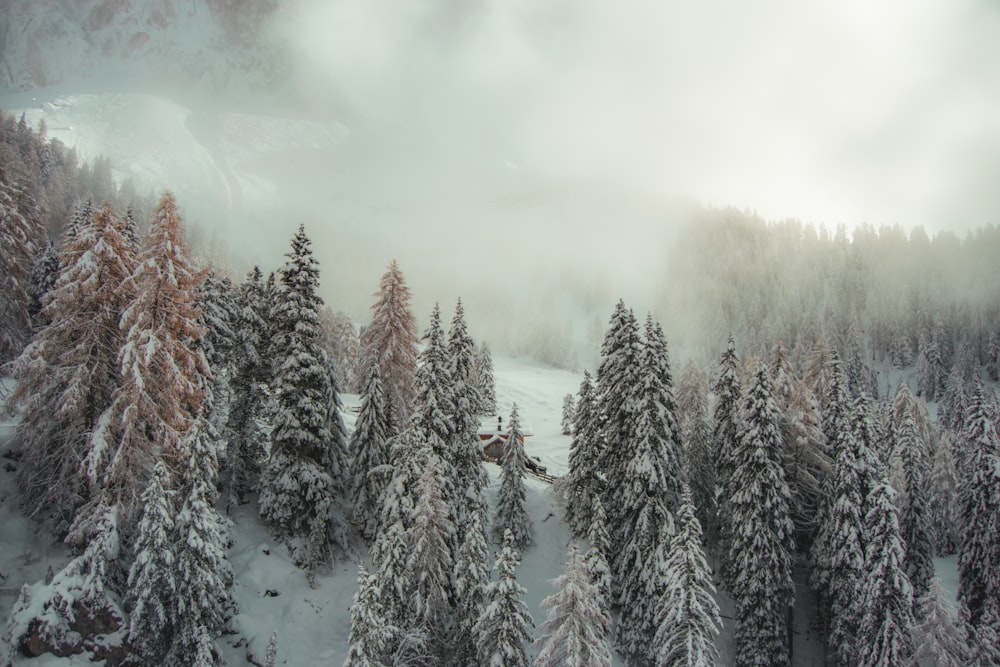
(833, 431)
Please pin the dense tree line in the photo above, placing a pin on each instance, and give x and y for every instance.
(151, 392)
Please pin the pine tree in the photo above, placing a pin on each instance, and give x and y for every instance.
(369, 446)
(511, 514)
(727, 424)
(160, 393)
(945, 524)
(302, 484)
(688, 614)
(583, 479)
(762, 542)
(152, 587)
(204, 578)
(568, 410)
(368, 635)
(884, 635)
(67, 376)
(251, 374)
(576, 628)
(391, 338)
(484, 380)
(505, 626)
(940, 641)
(979, 553)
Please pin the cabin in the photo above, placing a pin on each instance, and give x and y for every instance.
(493, 439)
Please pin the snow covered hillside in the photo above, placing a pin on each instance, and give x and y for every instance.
(312, 623)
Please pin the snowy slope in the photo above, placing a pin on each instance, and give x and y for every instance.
(312, 623)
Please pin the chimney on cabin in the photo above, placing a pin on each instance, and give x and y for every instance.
(499, 424)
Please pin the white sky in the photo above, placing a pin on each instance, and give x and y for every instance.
(842, 111)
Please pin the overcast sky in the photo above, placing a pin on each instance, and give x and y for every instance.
(841, 111)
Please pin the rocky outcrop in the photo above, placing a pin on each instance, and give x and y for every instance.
(49, 41)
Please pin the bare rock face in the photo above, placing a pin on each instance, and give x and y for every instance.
(93, 631)
(43, 42)
(38, 641)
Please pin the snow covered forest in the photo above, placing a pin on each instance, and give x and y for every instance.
(787, 482)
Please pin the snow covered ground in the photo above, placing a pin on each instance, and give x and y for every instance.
(312, 623)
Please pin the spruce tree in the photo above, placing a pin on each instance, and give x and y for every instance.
(433, 405)
(511, 513)
(696, 437)
(429, 563)
(985, 638)
(369, 446)
(67, 376)
(485, 381)
(914, 520)
(251, 375)
(727, 425)
(648, 493)
(762, 546)
(568, 410)
(575, 632)
(204, 578)
(979, 553)
(887, 597)
(838, 552)
(152, 586)
(945, 524)
(368, 634)
(461, 354)
(160, 392)
(804, 458)
(391, 338)
(617, 384)
(44, 273)
(302, 484)
(939, 639)
(597, 556)
(688, 614)
(505, 625)
(583, 479)
(472, 575)
(465, 448)
(409, 456)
